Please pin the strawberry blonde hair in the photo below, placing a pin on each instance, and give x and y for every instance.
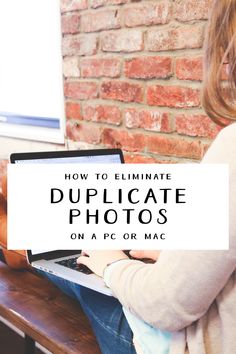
(219, 97)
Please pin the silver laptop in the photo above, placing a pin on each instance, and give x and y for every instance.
(63, 263)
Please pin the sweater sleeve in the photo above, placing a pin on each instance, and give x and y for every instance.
(179, 288)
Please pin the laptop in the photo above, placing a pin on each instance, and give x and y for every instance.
(63, 263)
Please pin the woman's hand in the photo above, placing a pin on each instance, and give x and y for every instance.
(145, 254)
(97, 261)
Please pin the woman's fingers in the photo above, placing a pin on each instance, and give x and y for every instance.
(97, 261)
(139, 254)
(91, 263)
(84, 260)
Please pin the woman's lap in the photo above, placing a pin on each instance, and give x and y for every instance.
(105, 315)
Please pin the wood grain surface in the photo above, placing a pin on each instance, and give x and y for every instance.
(40, 310)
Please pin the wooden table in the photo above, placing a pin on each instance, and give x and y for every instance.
(44, 314)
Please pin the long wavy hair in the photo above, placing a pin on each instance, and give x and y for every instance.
(219, 96)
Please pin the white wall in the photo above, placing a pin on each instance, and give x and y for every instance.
(11, 145)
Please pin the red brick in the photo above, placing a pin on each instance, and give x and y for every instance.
(73, 5)
(147, 14)
(189, 69)
(3, 170)
(148, 120)
(70, 23)
(73, 111)
(206, 147)
(100, 20)
(102, 113)
(123, 139)
(131, 158)
(85, 44)
(100, 67)
(189, 36)
(97, 3)
(124, 40)
(148, 67)
(122, 91)
(71, 67)
(79, 132)
(81, 90)
(188, 10)
(196, 125)
(178, 147)
(173, 96)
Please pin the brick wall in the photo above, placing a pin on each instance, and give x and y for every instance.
(133, 72)
(3, 165)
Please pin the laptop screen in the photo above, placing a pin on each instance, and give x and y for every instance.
(86, 156)
(76, 159)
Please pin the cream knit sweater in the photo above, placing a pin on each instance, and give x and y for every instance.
(190, 293)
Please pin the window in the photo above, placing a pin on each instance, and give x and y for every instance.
(31, 79)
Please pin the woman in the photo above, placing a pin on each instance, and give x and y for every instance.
(191, 294)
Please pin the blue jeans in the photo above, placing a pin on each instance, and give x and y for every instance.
(105, 315)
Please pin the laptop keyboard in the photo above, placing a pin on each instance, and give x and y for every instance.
(72, 264)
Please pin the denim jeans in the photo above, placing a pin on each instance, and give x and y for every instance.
(105, 314)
